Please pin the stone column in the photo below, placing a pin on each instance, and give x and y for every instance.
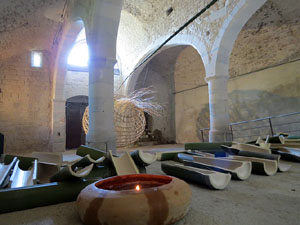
(59, 126)
(101, 33)
(218, 107)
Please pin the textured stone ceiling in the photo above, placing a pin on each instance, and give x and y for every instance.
(149, 10)
(23, 26)
(284, 12)
(33, 24)
(269, 38)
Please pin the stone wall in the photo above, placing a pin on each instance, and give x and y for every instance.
(191, 95)
(271, 41)
(25, 104)
(159, 74)
(177, 75)
(76, 83)
(270, 92)
(155, 23)
(263, 93)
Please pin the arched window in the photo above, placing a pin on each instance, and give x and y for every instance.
(79, 55)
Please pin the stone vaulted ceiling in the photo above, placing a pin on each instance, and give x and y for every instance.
(271, 37)
(24, 26)
(33, 24)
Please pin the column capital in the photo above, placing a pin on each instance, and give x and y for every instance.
(102, 61)
(58, 100)
(215, 77)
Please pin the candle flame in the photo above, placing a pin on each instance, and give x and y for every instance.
(137, 187)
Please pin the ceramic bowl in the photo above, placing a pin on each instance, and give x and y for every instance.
(137, 199)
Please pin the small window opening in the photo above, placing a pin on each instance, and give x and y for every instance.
(116, 69)
(36, 59)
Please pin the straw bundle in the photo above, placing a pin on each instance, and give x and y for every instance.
(129, 115)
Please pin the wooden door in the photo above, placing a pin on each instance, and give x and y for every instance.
(75, 135)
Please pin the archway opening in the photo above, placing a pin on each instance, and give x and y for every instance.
(263, 72)
(75, 107)
(172, 73)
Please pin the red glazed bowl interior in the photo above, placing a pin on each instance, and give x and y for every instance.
(129, 182)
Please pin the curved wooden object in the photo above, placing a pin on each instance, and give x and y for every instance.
(250, 148)
(160, 200)
(53, 158)
(260, 166)
(79, 169)
(238, 169)
(210, 178)
(23, 175)
(282, 166)
(124, 164)
(94, 153)
(5, 169)
(143, 158)
(289, 153)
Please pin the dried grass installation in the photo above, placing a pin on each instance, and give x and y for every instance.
(129, 115)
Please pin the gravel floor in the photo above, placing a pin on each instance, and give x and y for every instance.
(260, 200)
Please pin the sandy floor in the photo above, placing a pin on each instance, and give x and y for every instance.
(260, 200)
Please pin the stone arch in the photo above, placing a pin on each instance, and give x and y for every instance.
(231, 27)
(162, 71)
(71, 29)
(180, 39)
(217, 71)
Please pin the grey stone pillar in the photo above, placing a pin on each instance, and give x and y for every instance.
(101, 32)
(218, 107)
(59, 126)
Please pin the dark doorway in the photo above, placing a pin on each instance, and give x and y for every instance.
(75, 135)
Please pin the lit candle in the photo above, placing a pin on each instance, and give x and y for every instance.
(137, 187)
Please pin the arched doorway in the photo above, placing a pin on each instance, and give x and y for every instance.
(263, 77)
(177, 76)
(75, 107)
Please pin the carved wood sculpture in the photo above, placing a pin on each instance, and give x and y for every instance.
(289, 153)
(163, 156)
(238, 169)
(24, 174)
(124, 164)
(259, 165)
(53, 158)
(5, 170)
(210, 178)
(250, 148)
(72, 171)
(282, 165)
(143, 158)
